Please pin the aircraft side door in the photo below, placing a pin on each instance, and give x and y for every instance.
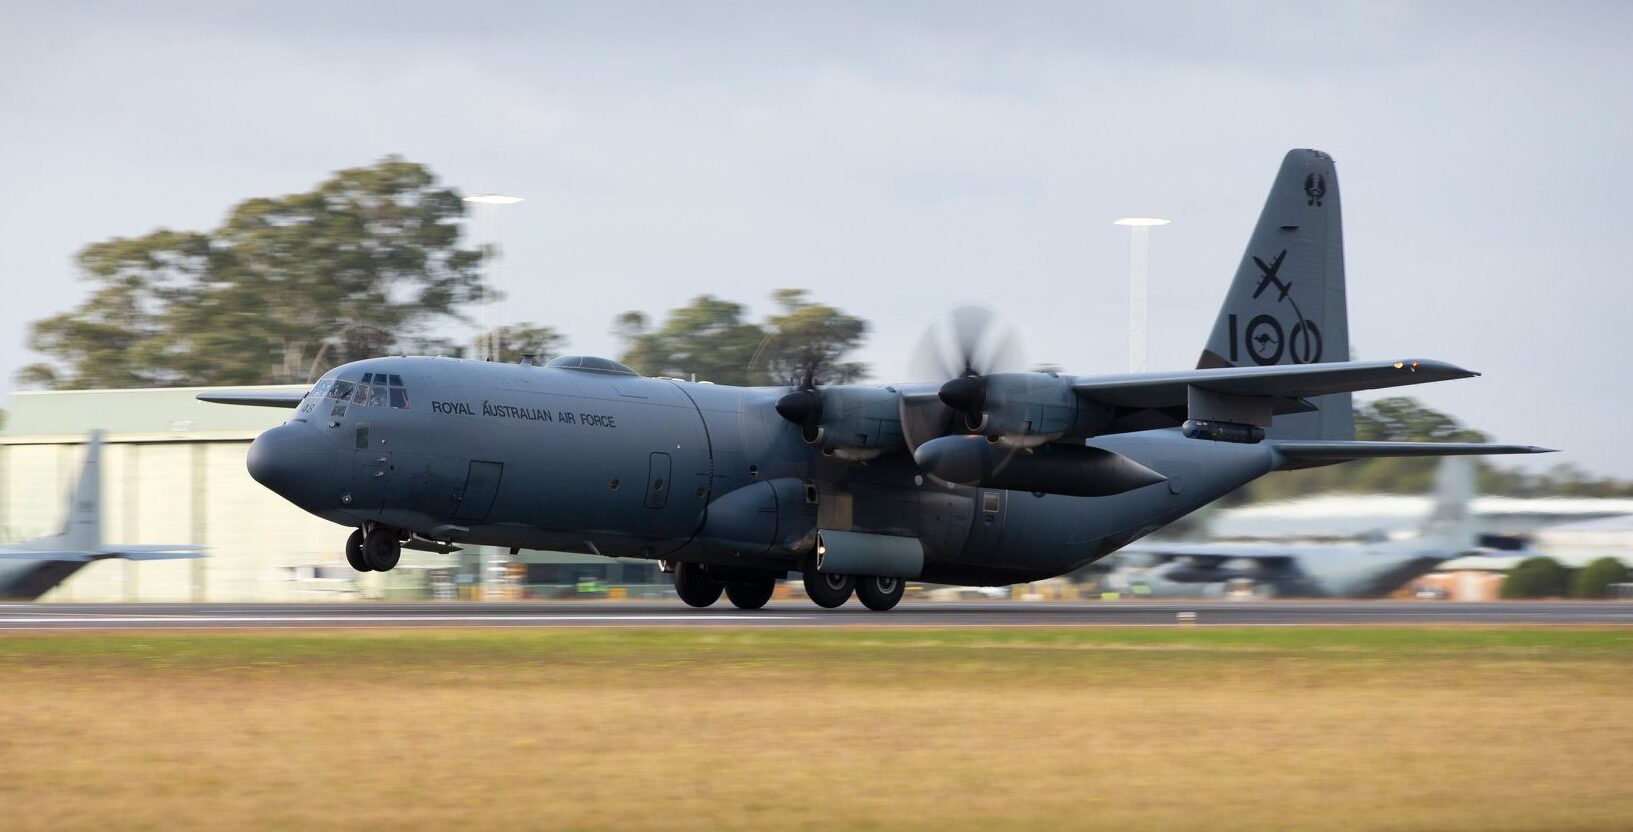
(987, 526)
(658, 482)
(481, 486)
(371, 465)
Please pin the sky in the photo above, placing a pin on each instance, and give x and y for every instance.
(897, 159)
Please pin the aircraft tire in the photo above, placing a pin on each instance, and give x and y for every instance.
(829, 590)
(880, 594)
(693, 586)
(751, 595)
(381, 549)
(354, 552)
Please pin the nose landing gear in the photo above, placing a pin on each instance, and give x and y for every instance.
(376, 551)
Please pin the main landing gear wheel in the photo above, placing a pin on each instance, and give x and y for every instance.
(382, 549)
(751, 595)
(693, 586)
(880, 594)
(829, 590)
(354, 552)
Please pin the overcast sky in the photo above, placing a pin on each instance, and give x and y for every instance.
(895, 158)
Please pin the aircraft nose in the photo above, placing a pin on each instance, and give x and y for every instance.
(286, 459)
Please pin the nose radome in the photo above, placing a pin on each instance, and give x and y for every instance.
(282, 458)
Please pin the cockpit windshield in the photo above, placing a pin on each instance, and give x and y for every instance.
(381, 390)
(373, 390)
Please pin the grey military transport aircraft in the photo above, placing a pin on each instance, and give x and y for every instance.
(31, 568)
(983, 477)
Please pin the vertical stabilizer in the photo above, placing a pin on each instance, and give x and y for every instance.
(1287, 303)
(82, 530)
(1450, 525)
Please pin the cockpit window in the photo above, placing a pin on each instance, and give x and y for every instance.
(379, 390)
(341, 390)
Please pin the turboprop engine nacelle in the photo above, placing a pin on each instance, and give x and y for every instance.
(854, 423)
(1024, 409)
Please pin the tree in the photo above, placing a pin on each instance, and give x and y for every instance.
(1594, 580)
(707, 338)
(711, 339)
(809, 335)
(1537, 577)
(285, 289)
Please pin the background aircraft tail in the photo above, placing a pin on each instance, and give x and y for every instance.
(82, 527)
(1287, 303)
(1449, 527)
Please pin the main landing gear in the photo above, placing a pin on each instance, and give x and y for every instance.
(700, 587)
(377, 551)
(831, 591)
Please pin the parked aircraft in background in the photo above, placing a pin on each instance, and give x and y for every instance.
(31, 568)
(984, 476)
(1334, 570)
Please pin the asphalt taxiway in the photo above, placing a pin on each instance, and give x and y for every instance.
(51, 617)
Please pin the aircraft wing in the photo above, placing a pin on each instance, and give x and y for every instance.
(1306, 453)
(1295, 381)
(144, 552)
(255, 398)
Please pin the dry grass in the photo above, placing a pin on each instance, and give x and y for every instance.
(675, 729)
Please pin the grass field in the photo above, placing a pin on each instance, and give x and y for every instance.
(1220, 729)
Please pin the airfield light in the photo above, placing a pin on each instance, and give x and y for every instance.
(493, 199)
(1139, 242)
(487, 222)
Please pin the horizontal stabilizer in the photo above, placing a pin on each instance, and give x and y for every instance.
(1158, 390)
(256, 398)
(1304, 454)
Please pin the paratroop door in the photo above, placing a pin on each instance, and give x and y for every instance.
(657, 481)
(481, 486)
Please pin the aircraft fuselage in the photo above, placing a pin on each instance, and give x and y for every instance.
(621, 465)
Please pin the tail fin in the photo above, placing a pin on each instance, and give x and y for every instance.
(1450, 525)
(82, 530)
(1287, 303)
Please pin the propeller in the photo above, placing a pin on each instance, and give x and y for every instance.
(958, 351)
(803, 406)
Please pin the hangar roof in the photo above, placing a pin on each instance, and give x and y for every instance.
(158, 414)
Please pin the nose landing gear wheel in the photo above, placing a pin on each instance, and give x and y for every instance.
(828, 590)
(880, 594)
(354, 552)
(381, 549)
(751, 595)
(693, 586)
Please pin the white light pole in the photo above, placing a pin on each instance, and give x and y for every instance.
(1139, 243)
(487, 224)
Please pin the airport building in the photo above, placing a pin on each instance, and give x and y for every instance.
(173, 472)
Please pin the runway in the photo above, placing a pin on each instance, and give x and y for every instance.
(54, 617)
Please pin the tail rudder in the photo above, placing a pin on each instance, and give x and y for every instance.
(1287, 303)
